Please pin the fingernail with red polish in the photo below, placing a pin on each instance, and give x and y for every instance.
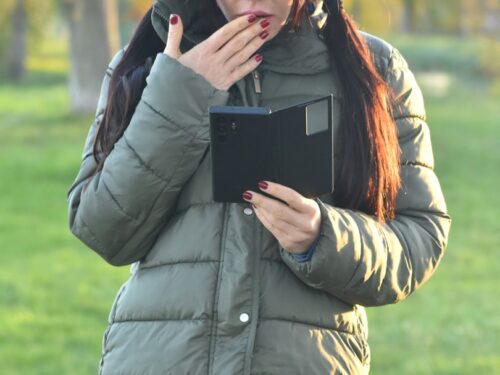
(264, 34)
(251, 18)
(263, 185)
(247, 196)
(173, 19)
(265, 23)
(259, 58)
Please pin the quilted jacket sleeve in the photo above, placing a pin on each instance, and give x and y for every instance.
(363, 261)
(120, 211)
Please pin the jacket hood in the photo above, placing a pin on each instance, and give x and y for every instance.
(197, 24)
(291, 51)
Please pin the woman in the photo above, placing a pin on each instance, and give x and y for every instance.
(262, 286)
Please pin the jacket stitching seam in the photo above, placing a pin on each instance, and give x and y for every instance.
(213, 327)
(170, 264)
(178, 212)
(356, 232)
(407, 252)
(310, 324)
(252, 328)
(410, 116)
(416, 164)
(168, 119)
(161, 320)
(116, 202)
(390, 62)
(142, 162)
(140, 224)
(98, 242)
(155, 200)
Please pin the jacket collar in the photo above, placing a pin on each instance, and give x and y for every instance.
(290, 52)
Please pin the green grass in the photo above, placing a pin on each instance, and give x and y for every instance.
(55, 294)
(452, 325)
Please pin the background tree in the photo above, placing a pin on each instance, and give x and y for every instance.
(408, 16)
(94, 35)
(375, 16)
(17, 46)
(94, 39)
(136, 8)
(130, 13)
(22, 25)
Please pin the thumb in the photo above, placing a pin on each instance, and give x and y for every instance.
(174, 38)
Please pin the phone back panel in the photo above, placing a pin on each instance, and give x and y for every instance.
(250, 144)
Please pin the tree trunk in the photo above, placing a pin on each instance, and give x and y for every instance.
(17, 49)
(94, 40)
(408, 17)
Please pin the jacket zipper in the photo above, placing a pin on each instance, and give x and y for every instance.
(256, 82)
(254, 313)
(216, 296)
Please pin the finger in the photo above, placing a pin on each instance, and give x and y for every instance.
(246, 68)
(278, 210)
(282, 225)
(294, 199)
(242, 56)
(249, 37)
(229, 30)
(175, 30)
(269, 224)
(283, 235)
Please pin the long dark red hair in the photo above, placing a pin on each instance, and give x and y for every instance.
(368, 176)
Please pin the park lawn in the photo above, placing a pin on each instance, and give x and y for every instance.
(55, 294)
(452, 325)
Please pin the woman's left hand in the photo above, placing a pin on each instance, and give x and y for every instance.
(295, 224)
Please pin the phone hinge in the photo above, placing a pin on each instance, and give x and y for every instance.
(256, 81)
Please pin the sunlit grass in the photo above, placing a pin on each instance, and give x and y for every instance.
(55, 294)
(450, 326)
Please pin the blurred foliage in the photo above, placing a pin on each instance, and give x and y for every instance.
(39, 13)
(490, 57)
(444, 16)
(137, 8)
(490, 64)
(6, 10)
(479, 19)
(465, 19)
(130, 13)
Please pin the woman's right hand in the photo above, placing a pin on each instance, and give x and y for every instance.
(227, 55)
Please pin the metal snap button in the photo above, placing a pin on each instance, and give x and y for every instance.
(244, 317)
(248, 211)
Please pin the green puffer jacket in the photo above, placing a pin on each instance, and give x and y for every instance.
(210, 290)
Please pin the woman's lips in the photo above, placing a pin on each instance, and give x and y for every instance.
(258, 13)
